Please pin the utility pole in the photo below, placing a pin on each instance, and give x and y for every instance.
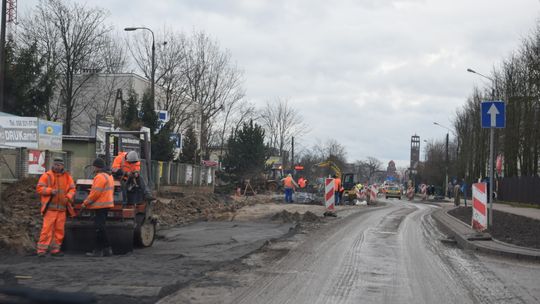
(292, 153)
(2, 53)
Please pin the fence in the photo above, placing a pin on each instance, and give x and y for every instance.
(522, 189)
(14, 166)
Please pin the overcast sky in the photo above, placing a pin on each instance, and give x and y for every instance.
(370, 73)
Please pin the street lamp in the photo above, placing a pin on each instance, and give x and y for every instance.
(446, 167)
(153, 72)
(491, 148)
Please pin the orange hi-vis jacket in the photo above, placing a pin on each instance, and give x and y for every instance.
(338, 187)
(288, 182)
(302, 182)
(120, 162)
(102, 192)
(62, 183)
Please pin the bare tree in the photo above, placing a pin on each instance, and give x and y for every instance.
(236, 112)
(281, 122)
(73, 35)
(170, 72)
(212, 81)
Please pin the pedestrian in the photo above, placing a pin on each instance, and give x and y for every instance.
(56, 190)
(337, 190)
(464, 191)
(457, 198)
(289, 185)
(100, 200)
(127, 168)
(449, 190)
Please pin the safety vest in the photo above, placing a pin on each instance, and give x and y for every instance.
(64, 186)
(337, 184)
(302, 183)
(121, 163)
(102, 192)
(288, 182)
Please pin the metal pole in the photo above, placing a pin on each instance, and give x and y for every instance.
(2, 54)
(292, 153)
(490, 194)
(446, 169)
(153, 71)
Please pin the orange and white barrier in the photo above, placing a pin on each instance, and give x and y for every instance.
(329, 193)
(479, 217)
(373, 194)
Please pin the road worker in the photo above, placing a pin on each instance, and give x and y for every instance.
(289, 184)
(127, 167)
(338, 190)
(56, 190)
(302, 182)
(100, 200)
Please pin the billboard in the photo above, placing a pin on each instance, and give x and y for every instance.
(50, 135)
(36, 162)
(18, 131)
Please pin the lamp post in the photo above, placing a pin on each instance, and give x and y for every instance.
(153, 72)
(491, 148)
(446, 152)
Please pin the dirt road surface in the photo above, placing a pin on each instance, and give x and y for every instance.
(179, 256)
(391, 254)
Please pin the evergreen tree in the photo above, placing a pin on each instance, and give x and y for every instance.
(149, 116)
(162, 145)
(189, 147)
(28, 90)
(247, 153)
(130, 117)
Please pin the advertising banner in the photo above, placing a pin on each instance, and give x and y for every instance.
(50, 135)
(18, 131)
(36, 162)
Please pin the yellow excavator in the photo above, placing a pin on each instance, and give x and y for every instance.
(347, 179)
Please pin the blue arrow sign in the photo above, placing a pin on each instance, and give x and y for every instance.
(493, 114)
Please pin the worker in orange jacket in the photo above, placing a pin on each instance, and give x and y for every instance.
(56, 190)
(302, 182)
(100, 200)
(127, 167)
(338, 190)
(289, 184)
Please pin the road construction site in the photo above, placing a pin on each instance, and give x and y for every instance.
(258, 250)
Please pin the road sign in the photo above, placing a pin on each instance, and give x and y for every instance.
(493, 114)
(479, 217)
(329, 194)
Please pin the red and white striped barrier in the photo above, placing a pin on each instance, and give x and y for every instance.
(329, 189)
(373, 194)
(479, 217)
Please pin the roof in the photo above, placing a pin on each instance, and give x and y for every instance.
(82, 138)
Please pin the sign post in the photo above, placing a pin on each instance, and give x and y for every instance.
(493, 116)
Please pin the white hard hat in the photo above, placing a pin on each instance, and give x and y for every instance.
(132, 157)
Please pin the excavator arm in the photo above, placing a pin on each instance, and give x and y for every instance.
(330, 164)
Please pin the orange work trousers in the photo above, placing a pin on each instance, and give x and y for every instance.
(52, 232)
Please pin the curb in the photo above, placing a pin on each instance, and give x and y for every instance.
(465, 237)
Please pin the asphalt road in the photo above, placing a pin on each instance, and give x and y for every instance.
(391, 254)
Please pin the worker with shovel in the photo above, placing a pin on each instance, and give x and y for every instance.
(56, 190)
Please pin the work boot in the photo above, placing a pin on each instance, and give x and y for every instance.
(107, 252)
(41, 254)
(57, 254)
(96, 253)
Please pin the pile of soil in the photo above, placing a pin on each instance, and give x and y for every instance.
(507, 227)
(20, 218)
(287, 217)
(201, 207)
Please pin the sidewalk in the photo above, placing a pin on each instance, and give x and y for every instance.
(468, 238)
(523, 211)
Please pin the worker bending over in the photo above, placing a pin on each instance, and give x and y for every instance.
(127, 167)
